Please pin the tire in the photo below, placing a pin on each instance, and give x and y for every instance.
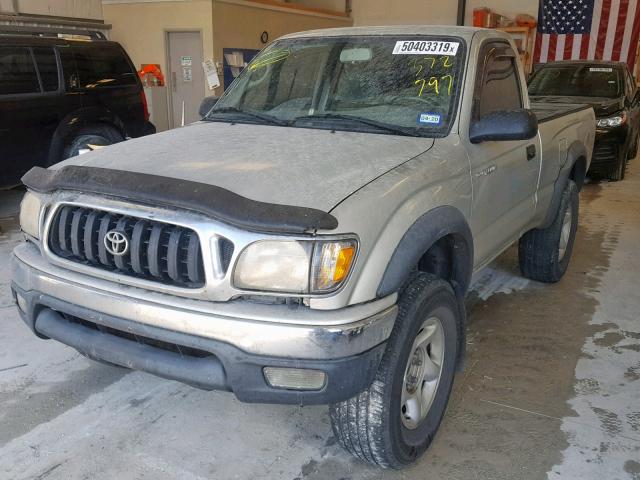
(617, 173)
(96, 135)
(633, 151)
(539, 250)
(374, 426)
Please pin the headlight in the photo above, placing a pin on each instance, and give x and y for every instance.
(611, 122)
(30, 215)
(295, 266)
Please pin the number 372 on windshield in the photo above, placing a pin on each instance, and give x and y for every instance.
(419, 47)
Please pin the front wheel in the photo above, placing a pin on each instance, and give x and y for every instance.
(617, 172)
(394, 421)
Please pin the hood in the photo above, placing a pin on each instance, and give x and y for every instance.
(602, 106)
(289, 166)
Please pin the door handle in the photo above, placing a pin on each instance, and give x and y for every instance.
(531, 152)
(174, 82)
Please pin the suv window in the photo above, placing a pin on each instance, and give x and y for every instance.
(103, 67)
(500, 84)
(48, 68)
(17, 71)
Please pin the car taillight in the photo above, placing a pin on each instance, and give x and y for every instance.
(145, 107)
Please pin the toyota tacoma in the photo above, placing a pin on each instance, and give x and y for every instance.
(312, 239)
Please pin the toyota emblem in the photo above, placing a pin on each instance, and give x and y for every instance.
(116, 243)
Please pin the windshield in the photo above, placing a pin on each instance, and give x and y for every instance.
(379, 84)
(578, 80)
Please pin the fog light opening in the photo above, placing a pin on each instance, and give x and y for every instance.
(295, 378)
(22, 303)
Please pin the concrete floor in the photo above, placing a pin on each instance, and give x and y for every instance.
(551, 388)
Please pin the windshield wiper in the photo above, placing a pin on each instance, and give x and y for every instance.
(260, 116)
(364, 121)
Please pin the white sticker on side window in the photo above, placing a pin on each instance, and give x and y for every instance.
(422, 47)
(600, 69)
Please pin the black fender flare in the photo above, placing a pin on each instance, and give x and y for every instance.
(575, 151)
(425, 232)
(418, 239)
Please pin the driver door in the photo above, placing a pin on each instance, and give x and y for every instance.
(504, 173)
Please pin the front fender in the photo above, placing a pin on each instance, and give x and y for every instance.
(425, 232)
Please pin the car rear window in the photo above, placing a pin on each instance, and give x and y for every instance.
(579, 80)
(17, 71)
(103, 67)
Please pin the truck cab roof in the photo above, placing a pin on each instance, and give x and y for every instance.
(466, 33)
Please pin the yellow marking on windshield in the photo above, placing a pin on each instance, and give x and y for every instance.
(269, 58)
(433, 82)
(450, 77)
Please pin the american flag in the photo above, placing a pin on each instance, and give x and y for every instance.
(587, 29)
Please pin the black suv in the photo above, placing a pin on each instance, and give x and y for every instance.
(611, 90)
(57, 96)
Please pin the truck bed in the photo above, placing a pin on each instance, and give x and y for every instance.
(546, 111)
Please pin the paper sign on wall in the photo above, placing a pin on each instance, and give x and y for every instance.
(211, 72)
(187, 74)
(186, 61)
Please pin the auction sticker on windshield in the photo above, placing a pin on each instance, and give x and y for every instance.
(601, 69)
(421, 47)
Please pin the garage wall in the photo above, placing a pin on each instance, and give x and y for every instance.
(385, 12)
(141, 27)
(89, 9)
(337, 5)
(411, 12)
(239, 25)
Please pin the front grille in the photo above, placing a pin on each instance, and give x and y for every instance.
(183, 350)
(157, 251)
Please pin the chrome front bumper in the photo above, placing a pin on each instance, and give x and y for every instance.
(282, 331)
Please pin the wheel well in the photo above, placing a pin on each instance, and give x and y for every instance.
(64, 136)
(92, 127)
(579, 172)
(446, 259)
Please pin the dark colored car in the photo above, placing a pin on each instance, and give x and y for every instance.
(611, 89)
(58, 96)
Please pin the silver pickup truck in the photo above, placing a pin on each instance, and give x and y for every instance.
(312, 240)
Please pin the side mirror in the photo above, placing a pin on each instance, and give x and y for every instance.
(501, 125)
(207, 104)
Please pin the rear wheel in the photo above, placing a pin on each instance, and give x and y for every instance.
(395, 420)
(97, 135)
(544, 253)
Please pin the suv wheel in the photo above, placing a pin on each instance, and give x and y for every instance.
(544, 253)
(394, 421)
(617, 173)
(633, 151)
(97, 135)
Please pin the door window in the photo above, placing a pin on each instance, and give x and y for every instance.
(103, 67)
(48, 68)
(500, 84)
(17, 71)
